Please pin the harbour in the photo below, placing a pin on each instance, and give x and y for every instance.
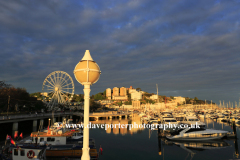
(145, 143)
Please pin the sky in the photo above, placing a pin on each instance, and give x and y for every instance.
(189, 48)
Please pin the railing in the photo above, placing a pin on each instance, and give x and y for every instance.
(32, 115)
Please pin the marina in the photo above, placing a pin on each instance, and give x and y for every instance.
(119, 80)
(141, 143)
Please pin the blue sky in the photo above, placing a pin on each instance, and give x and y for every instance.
(189, 48)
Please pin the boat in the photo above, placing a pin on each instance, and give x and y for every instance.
(179, 118)
(220, 117)
(24, 151)
(75, 136)
(71, 150)
(225, 118)
(200, 134)
(155, 122)
(64, 143)
(193, 120)
(167, 120)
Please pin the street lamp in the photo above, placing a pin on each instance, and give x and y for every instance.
(86, 72)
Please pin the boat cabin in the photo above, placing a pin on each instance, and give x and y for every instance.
(51, 137)
(26, 152)
(167, 120)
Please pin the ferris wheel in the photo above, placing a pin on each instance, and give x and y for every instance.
(58, 88)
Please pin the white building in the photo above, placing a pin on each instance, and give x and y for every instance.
(154, 97)
(108, 93)
(179, 99)
(131, 90)
(136, 95)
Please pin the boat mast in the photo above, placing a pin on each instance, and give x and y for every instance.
(157, 93)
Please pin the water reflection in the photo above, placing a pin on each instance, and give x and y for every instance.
(135, 121)
(236, 149)
(193, 147)
(198, 149)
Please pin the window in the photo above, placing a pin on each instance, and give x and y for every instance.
(50, 139)
(41, 139)
(22, 152)
(15, 152)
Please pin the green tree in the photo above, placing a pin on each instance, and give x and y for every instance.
(119, 103)
(94, 106)
(18, 98)
(79, 99)
(138, 89)
(195, 98)
(98, 96)
(128, 102)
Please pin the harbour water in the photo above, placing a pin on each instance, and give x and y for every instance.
(144, 144)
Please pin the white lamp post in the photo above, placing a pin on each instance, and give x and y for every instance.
(86, 72)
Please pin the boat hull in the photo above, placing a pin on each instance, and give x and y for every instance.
(71, 153)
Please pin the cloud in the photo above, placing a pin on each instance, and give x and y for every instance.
(181, 45)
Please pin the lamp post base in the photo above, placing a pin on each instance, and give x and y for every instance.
(85, 154)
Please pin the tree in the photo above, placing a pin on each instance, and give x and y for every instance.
(138, 89)
(3, 84)
(17, 97)
(94, 106)
(104, 93)
(98, 96)
(195, 98)
(119, 103)
(150, 101)
(128, 102)
(77, 98)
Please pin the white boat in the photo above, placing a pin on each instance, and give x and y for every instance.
(179, 118)
(54, 127)
(155, 122)
(201, 115)
(75, 136)
(225, 118)
(221, 117)
(168, 120)
(193, 134)
(26, 151)
(193, 120)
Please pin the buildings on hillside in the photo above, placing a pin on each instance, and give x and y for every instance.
(180, 100)
(122, 94)
(117, 94)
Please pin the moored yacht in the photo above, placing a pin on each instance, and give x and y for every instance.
(179, 118)
(193, 120)
(28, 151)
(23, 150)
(194, 134)
(64, 143)
(71, 150)
(168, 120)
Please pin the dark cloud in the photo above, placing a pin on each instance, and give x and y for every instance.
(189, 48)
